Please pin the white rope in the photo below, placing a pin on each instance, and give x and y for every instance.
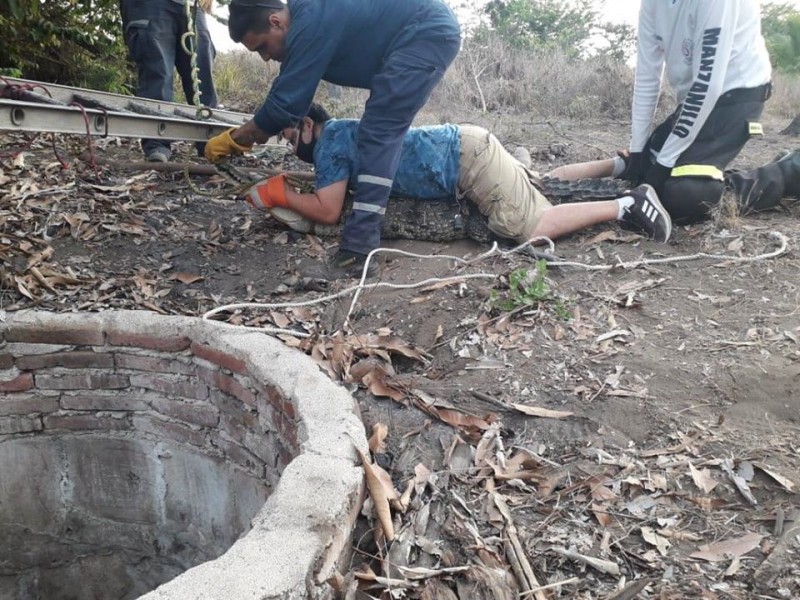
(493, 251)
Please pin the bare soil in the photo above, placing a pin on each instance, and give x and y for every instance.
(681, 378)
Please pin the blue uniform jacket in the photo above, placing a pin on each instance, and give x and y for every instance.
(344, 42)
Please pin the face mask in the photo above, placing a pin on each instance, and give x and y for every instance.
(303, 150)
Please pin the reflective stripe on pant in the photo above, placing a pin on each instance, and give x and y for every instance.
(398, 91)
(691, 192)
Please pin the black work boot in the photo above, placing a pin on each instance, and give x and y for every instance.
(790, 169)
(344, 265)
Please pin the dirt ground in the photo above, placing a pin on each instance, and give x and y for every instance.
(671, 468)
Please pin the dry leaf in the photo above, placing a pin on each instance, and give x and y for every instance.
(728, 549)
(381, 384)
(601, 514)
(787, 483)
(703, 479)
(651, 537)
(377, 441)
(381, 490)
(186, 278)
(546, 413)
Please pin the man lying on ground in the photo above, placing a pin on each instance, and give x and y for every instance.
(448, 161)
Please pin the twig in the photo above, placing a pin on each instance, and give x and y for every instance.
(605, 566)
(194, 168)
(516, 554)
(630, 591)
(551, 586)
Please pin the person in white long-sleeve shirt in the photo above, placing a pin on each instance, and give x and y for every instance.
(716, 62)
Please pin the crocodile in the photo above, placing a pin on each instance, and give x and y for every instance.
(444, 220)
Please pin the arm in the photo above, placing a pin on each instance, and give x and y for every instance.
(322, 206)
(314, 34)
(649, 71)
(713, 46)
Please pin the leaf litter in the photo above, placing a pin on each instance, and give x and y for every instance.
(496, 518)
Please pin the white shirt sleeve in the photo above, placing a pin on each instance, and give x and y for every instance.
(649, 72)
(713, 47)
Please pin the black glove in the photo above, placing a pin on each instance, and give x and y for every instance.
(657, 175)
(635, 167)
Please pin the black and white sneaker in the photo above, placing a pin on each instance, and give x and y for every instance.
(648, 213)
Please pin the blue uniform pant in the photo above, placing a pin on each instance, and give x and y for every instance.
(404, 83)
(153, 30)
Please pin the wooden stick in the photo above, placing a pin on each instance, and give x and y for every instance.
(194, 168)
(551, 586)
(516, 554)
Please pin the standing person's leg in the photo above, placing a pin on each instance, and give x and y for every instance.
(149, 34)
(402, 87)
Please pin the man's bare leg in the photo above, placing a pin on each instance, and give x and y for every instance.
(562, 219)
(586, 170)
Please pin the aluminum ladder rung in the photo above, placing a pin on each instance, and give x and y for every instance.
(17, 115)
(118, 102)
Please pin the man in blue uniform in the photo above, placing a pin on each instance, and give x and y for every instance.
(445, 163)
(397, 49)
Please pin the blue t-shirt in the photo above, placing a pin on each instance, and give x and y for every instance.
(429, 160)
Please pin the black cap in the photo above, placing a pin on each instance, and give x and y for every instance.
(273, 4)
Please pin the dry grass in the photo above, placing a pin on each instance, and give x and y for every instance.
(784, 96)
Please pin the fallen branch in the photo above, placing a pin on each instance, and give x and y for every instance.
(193, 168)
(604, 566)
(516, 554)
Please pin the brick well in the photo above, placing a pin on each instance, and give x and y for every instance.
(134, 447)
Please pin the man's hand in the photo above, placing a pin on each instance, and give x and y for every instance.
(222, 145)
(268, 193)
(635, 167)
(657, 176)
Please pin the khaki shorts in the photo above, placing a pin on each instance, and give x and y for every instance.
(499, 185)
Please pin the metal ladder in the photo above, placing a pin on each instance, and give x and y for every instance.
(33, 106)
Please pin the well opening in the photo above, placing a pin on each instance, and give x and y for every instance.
(134, 447)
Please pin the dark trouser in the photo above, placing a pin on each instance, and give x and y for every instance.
(402, 86)
(153, 30)
(698, 180)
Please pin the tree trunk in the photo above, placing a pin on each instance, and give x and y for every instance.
(793, 128)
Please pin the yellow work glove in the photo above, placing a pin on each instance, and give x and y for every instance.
(223, 145)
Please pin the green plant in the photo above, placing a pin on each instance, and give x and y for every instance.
(571, 26)
(780, 23)
(64, 41)
(527, 289)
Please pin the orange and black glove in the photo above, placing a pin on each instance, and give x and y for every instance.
(222, 145)
(268, 193)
